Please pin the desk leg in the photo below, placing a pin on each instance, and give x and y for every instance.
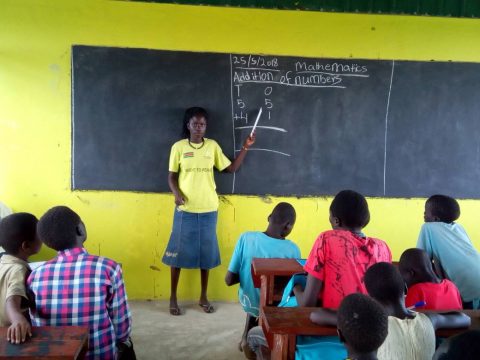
(266, 290)
(280, 347)
(266, 294)
(292, 345)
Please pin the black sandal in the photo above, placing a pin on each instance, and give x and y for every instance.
(175, 311)
(207, 308)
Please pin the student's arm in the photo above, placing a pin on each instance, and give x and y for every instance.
(309, 296)
(316, 275)
(239, 158)
(324, 317)
(118, 307)
(173, 184)
(20, 327)
(449, 320)
(233, 274)
(231, 278)
(424, 240)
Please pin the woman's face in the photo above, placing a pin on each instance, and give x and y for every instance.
(197, 126)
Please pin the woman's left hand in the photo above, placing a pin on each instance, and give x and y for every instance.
(249, 141)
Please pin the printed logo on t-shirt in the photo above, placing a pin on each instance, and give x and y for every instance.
(207, 155)
(188, 154)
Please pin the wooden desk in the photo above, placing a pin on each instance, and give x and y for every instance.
(282, 325)
(47, 342)
(273, 275)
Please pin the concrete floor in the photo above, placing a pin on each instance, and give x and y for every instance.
(192, 336)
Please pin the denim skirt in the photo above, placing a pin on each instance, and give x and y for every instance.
(193, 241)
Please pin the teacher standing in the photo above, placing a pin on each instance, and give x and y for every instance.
(193, 241)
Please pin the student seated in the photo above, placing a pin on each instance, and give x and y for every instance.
(268, 244)
(424, 285)
(76, 288)
(411, 335)
(337, 262)
(362, 325)
(447, 243)
(19, 240)
(465, 346)
(339, 258)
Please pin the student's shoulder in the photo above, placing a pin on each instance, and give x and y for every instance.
(378, 242)
(334, 235)
(11, 264)
(14, 270)
(103, 261)
(249, 236)
(421, 287)
(436, 226)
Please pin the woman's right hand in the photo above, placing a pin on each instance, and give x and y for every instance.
(179, 200)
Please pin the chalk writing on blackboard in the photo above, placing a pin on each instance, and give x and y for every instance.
(265, 75)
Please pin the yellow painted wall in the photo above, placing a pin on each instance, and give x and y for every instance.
(35, 47)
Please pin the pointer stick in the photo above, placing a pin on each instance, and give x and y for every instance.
(256, 122)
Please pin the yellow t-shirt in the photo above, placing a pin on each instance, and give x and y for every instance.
(195, 168)
(12, 282)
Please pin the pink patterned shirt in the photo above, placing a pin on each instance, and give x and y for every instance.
(340, 258)
(76, 288)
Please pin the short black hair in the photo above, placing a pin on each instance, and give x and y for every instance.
(465, 346)
(57, 228)
(414, 258)
(363, 322)
(15, 229)
(351, 208)
(444, 207)
(190, 113)
(283, 213)
(384, 282)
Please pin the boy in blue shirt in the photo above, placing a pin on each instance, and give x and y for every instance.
(447, 243)
(268, 244)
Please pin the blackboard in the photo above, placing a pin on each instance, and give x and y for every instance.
(382, 127)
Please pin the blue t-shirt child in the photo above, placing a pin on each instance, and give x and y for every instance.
(256, 244)
(450, 244)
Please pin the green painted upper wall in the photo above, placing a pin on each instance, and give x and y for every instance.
(449, 8)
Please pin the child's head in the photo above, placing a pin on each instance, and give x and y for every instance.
(441, 208)
(465, 346)
(384, 283)
(18, 235)
(283, 218)
(415, 266)
(362, 323)
(349, 211)
(60, 228)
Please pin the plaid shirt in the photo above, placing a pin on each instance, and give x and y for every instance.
(76, 288)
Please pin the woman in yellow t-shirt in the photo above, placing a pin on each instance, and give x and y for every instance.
(193, 241)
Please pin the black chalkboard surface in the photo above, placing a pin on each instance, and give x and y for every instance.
(384, 128)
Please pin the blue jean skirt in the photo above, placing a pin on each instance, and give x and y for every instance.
(193, 242)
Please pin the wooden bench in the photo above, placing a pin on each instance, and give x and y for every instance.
(47, 342)
(282, 325)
